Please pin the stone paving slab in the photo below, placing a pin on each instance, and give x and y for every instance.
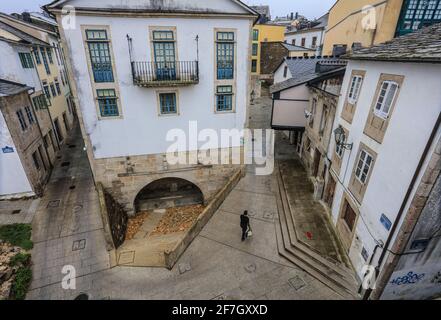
(27, 209)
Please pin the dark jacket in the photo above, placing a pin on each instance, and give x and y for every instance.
(244, 221)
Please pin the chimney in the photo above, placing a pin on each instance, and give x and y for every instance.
(292, 15)
(297, 15)
(26, 16)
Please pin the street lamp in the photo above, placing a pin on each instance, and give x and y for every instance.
(340, 138)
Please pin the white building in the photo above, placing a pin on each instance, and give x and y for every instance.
(389, 112)
(311, 37)
(141, 69)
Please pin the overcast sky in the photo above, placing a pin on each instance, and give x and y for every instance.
(309, 8)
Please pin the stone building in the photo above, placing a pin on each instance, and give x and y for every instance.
(182, 64)
(385, 162)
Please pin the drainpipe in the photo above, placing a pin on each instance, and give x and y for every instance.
(403, 206)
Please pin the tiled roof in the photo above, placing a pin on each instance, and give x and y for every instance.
(420, 46)
(9, 88)
(305, 69)
(22, 35)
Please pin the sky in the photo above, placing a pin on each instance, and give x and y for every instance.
(309, 8)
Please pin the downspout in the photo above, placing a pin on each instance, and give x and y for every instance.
(403, 206)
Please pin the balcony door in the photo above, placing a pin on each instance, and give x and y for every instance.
(165, 55)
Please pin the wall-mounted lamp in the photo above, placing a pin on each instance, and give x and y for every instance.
(340, 138)
(307, 114)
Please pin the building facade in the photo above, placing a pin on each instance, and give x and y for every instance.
(183, 65)
(382, 153)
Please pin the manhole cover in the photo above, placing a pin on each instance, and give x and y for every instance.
(16, 211)
(54, 204)
(79, 245)
(297, 283)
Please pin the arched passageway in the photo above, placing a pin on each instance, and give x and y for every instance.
(166, 193)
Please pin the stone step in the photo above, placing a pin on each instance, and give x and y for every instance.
(340, 269)
(335, 278)
(343, 292)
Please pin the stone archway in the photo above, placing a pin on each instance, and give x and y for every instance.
(166, 193)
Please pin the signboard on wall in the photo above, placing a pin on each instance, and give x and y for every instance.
(8, 150)
(385, 222)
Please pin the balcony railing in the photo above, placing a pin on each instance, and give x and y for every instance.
(157, 74)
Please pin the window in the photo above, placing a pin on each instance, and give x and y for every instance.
(255, 35)
(46, 91)
(36, 55)
(26, 60)
(167, 103)
(313, 110)
(224, 98)
(54, 92)
(46, 141)
(225, 55)
(386, 98)
(22, 120)
(293, 42)
(29, 115)
(165, 55)
(303, 42)
(99, 51)
(36, 160)
(49, 55)
(364, 164)
(46, 64)
(354, 90)
(253, 65)
(323, 120)
(314, 42)
(57, 86)
(349, 216)
(285, 72)
(107, 102)
(338, 147)
(56, 49)
(255, 49)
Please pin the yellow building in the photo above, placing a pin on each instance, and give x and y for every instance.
(264, 33)
(51, 69)
(362, 22)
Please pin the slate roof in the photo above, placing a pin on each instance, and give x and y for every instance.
(320, 23)
(9, 88)
(423, 45)
(304, 70)
(26, 38)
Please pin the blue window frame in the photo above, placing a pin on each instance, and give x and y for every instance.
(44, 57)
(224, 98)
(57, 86)
(100, 58)
(167, 103)
(49, 55)
(416, 14)
(54, 92)
(165, 55)
(225, 55)
(22, 120)
(107, 102)
(29, 115)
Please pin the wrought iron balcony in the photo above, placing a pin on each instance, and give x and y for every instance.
(165, 74)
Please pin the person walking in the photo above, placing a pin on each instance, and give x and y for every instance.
(245, 224)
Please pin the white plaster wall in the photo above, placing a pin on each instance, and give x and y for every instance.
(278, 75)
(11, 69)
(308, 38)
(13, 179)
(142, 131)
(291, 111)
(416, 110)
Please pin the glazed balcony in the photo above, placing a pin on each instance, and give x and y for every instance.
(165, 74)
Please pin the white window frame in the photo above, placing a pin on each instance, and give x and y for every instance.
(339, 150)
(380, 107)
(313, 110)
(354, 90)
(361, 164)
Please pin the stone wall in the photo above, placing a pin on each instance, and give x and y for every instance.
(125, 177)
(272, 55)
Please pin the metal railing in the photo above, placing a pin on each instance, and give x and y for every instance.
(165, 73)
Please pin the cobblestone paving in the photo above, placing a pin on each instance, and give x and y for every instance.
(217, 265)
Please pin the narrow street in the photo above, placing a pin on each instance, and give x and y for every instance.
(217, 265)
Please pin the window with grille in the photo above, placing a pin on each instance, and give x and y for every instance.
(21, 120)
(386, 98)
(167, 103)
(364, 165)
(99, 53)
(107, 102)
(29, 115)
(225, 55)
(419, 13)
(26, 60)
(354, 91)
(224, 98)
